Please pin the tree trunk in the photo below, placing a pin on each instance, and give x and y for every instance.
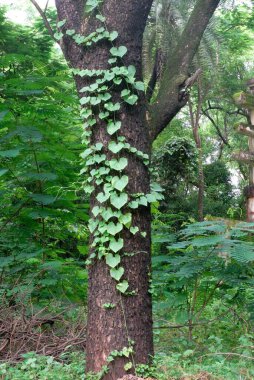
(201, 185)
(129, 322)
(194, 118)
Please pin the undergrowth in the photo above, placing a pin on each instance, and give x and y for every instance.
(175, 366)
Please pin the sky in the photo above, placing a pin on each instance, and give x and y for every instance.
(18, 9)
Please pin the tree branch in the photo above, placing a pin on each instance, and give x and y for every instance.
(225, 141)
(46, 6)
(168, 102)
(219, 108)
(246, 157)
(44, 18)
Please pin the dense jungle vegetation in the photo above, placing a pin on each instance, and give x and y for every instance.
(202, 278)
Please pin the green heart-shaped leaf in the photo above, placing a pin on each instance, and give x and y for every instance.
(103, 115)
(96, 210)
(133, 204)
(122, 286)
(113, 35)
(93, 225)
(125, 93)
(117, 274)
(101, 18)
(132, 70)
(61, 23)
(143, 201)
(120, 183)
(70, 32)
(94, 100)
(118, 165)
(126, 219)
(113, 127)
(99, 158)
(131, 99)
(105, 97)
(112, 60)
(85, 100)
(113, 260)
(116, 245)
(119, 52)
(115, 147)
(134, 230)
(118, 201)
(112, 107)
(107, 214)
(117, 80)
(102, 227)
(140, 86)
(86, 112)
(58, 35)
(101, 197)
(107, 188)
(113, 228)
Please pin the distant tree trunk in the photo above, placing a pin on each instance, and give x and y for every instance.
(201, 186)
(195, 118)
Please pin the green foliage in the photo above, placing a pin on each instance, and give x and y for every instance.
(41, 367)
(218, 189)
(175, 167)
(205, 276)
(41, 217)
(175, 366)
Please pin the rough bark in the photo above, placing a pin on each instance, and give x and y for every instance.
(131, 319)
(156, 74)
(245, 157)
(246, 130)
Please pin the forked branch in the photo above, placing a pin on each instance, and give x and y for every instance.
(44, 18)
(175, 76)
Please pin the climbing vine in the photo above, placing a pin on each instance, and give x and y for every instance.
(113, 213)
(106, 163)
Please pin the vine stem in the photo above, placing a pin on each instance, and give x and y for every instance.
(127, 332)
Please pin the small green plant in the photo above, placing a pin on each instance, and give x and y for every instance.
(109, 305)
(45, 368)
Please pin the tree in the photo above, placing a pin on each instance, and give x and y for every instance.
(119, 327)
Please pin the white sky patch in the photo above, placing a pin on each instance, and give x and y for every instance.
(21, 11)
